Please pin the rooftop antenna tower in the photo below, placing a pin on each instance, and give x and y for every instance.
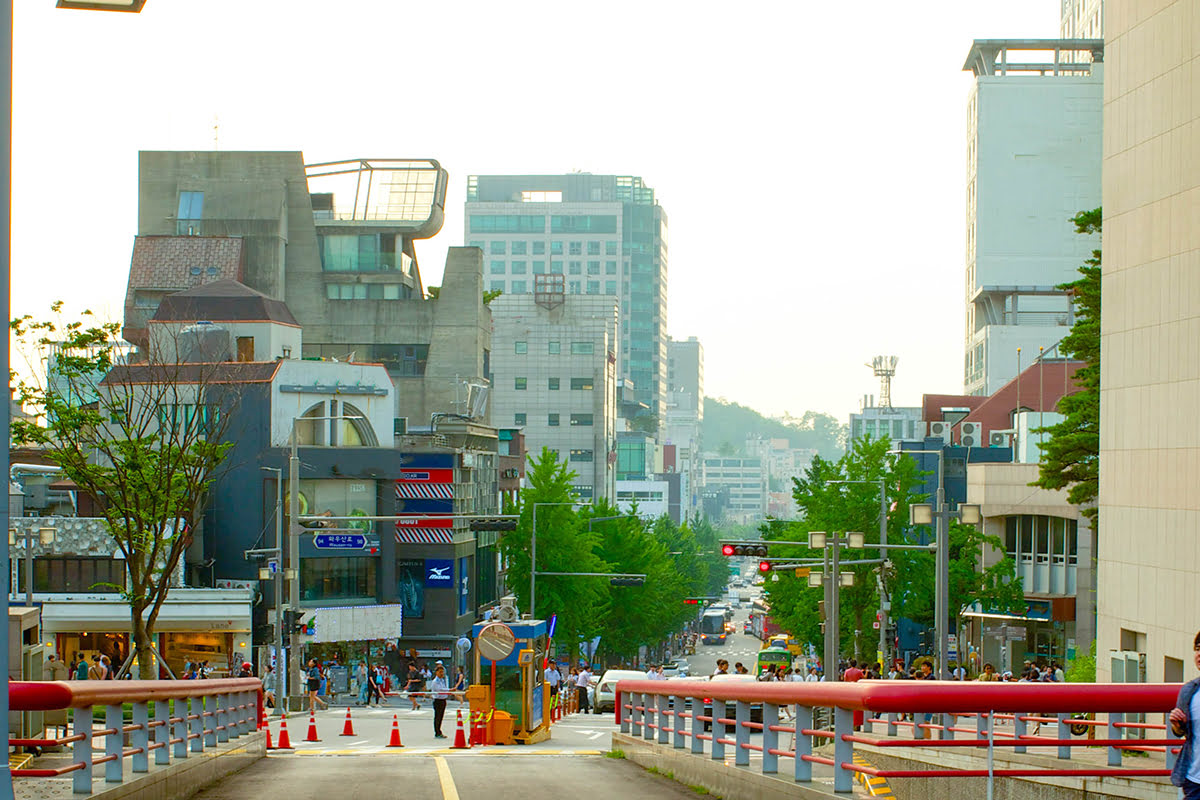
(885, 370)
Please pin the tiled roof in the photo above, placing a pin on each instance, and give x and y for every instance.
(171, 262)
(223, 301)
(207, 374)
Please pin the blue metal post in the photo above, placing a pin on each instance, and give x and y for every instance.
(162, 734)
(741, 734)
(843, 751)
(114, 743)
(803, 743)
(81, 751)
(770, 740)
(140, 738)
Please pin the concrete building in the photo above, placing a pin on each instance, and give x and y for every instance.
(1150, 374)
(1082, 19)
(898, 424)
(685, 417)
(555, 378)
(336, 242)
(605, 234)
(1033, 162)
(736, 488)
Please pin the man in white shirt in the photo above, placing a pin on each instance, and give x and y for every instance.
(583, 682)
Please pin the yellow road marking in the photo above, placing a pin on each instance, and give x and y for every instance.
(449, 792)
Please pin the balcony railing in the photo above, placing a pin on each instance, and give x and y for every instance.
(189, 716)
(671, 713)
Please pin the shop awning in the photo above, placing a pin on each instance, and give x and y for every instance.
(1035, 611)
(185, 613)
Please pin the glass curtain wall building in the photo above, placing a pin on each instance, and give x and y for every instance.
(605, 234)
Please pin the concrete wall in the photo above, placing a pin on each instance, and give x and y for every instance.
(271, 339)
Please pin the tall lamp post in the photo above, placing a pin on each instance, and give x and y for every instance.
(6, 74)
(276, 577)
(884, 605)
(833, 579)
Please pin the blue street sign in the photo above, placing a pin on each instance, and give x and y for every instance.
(340, 541)
(273, 565)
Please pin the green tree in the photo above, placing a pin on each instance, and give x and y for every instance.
(144, 440)
(563, 545)
(1071, 456)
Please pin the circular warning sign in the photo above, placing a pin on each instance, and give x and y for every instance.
(496, 641)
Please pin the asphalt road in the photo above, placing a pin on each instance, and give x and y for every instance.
(449, 777)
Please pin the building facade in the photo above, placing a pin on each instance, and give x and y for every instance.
(1150, 374)
(897, 424)
(736, 488)
(685, 418)
(1082, 19)
(605, 234)
(555, 378)
(1033, 163)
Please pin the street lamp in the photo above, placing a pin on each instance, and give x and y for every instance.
(277, 577)
(832, 578)
(46, 537)
(6, 88)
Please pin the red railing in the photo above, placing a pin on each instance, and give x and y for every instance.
(187, 715)
(663, 710)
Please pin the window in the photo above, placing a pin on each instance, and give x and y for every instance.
(519, 419)
(518, 248)
(518, 287)
(552, 420)
(593, 287)
(556, 248)
(593, 248)
(582, 348)
(476, 243)
(520, 383)
(584, 223)
(187, 218)
(497, 248)
(406, 360)
(593, 268)
(539, 268)
(552, 384)
(574, 287)
(363, 291)
(575, 249)
(581, 455)
(610, 268)
(73, 574)
(575, 267)
(554, 348)
(497, 267)
(610, 248)
(581, 419)
(518, 268)
(324, 578)
(520, 348)
(539, 248)
(507, 223)
(610, 287)
(496, 286)
(556, 268)
(581, 384)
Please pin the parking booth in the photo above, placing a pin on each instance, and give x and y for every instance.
(508, 686)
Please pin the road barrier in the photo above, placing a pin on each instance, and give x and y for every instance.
(187, 714)
(667, 711)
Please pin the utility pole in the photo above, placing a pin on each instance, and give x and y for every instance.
(279, 685)
(293, 560)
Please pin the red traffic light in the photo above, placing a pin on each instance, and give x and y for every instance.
(691, 601)
(764, 566)
(726, 549)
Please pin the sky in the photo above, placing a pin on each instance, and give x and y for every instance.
(810, 157)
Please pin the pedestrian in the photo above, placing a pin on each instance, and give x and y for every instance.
(96, 670)
(722, 667)
(314, 686)
(440, 688)
(459, 687)
(413, 685)
(1184, 718)
(108, 670)
(57, 669)
(583, 682)
(553, 678)
(989, 673)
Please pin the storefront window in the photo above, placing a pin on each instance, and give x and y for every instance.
(337, 578)
(410, 586)
(336, 499)
(68, 574)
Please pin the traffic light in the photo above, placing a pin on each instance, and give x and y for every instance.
(764, 566)
(756, 549)
(691, 601)
(726, 549)
(626, 581)
(492, 524)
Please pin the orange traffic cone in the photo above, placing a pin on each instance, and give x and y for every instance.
(348, 728)
(395, 740)
(460, 736)
(284, 742)
(312, 728)
(264, 723)
(475, 739)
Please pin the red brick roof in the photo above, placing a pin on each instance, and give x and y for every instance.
(168, 262)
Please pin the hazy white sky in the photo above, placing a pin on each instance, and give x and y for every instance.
(810, 155)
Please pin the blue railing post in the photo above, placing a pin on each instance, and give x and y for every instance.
(1172, 756)
(803, 743)
(741, 734)
(81, 752)
(843, 751)
(1064, 732)
(678, 705)
(891, 724)
(697, 724)
(718, 730)
(635, 714)
(221, 717)
(140, 738)
(981, 725)
(1020, 726)
(949, 722)
(622, 715)
(114, 743)
(770, 740)
(1114, 753)
(162, 734)
(665, 720)
(195, 709)
(208, 712)
(649, 717)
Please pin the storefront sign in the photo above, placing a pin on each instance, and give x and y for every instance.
(340, 541)
(439, 573)
(436, 652)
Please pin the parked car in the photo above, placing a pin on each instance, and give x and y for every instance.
(746, 627)
(678, 668)
(606, 689)
(731, 708)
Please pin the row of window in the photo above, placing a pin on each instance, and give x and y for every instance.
(367, 291)
(573, 287)
(499, 267)
(536, 223)
(579, 384)
(521, 419)
(538, 248)
(554, 348)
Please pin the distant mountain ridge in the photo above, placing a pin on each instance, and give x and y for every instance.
(726, 425)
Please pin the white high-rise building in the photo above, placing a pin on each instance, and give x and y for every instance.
(1033, 163)
(685, 415)
(554, 358)
(1082, 19)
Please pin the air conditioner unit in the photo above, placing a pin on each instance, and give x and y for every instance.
(940, 430)
(506, 610)
(970, 434)
(1000, 439)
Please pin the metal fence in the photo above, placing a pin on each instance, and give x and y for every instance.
(189, 716)
(677, 714)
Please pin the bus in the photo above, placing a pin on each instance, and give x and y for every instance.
(712, 626)
(778, 656)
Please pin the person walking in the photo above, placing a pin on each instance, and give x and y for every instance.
(57, 669)
(553, 678)
(583, 682)
(413, 684)
(459, 687)
(314, 686)
(440, 687)
(1185, 724)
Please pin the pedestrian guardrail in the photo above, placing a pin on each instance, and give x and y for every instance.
(189, 716)
(677, 713)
